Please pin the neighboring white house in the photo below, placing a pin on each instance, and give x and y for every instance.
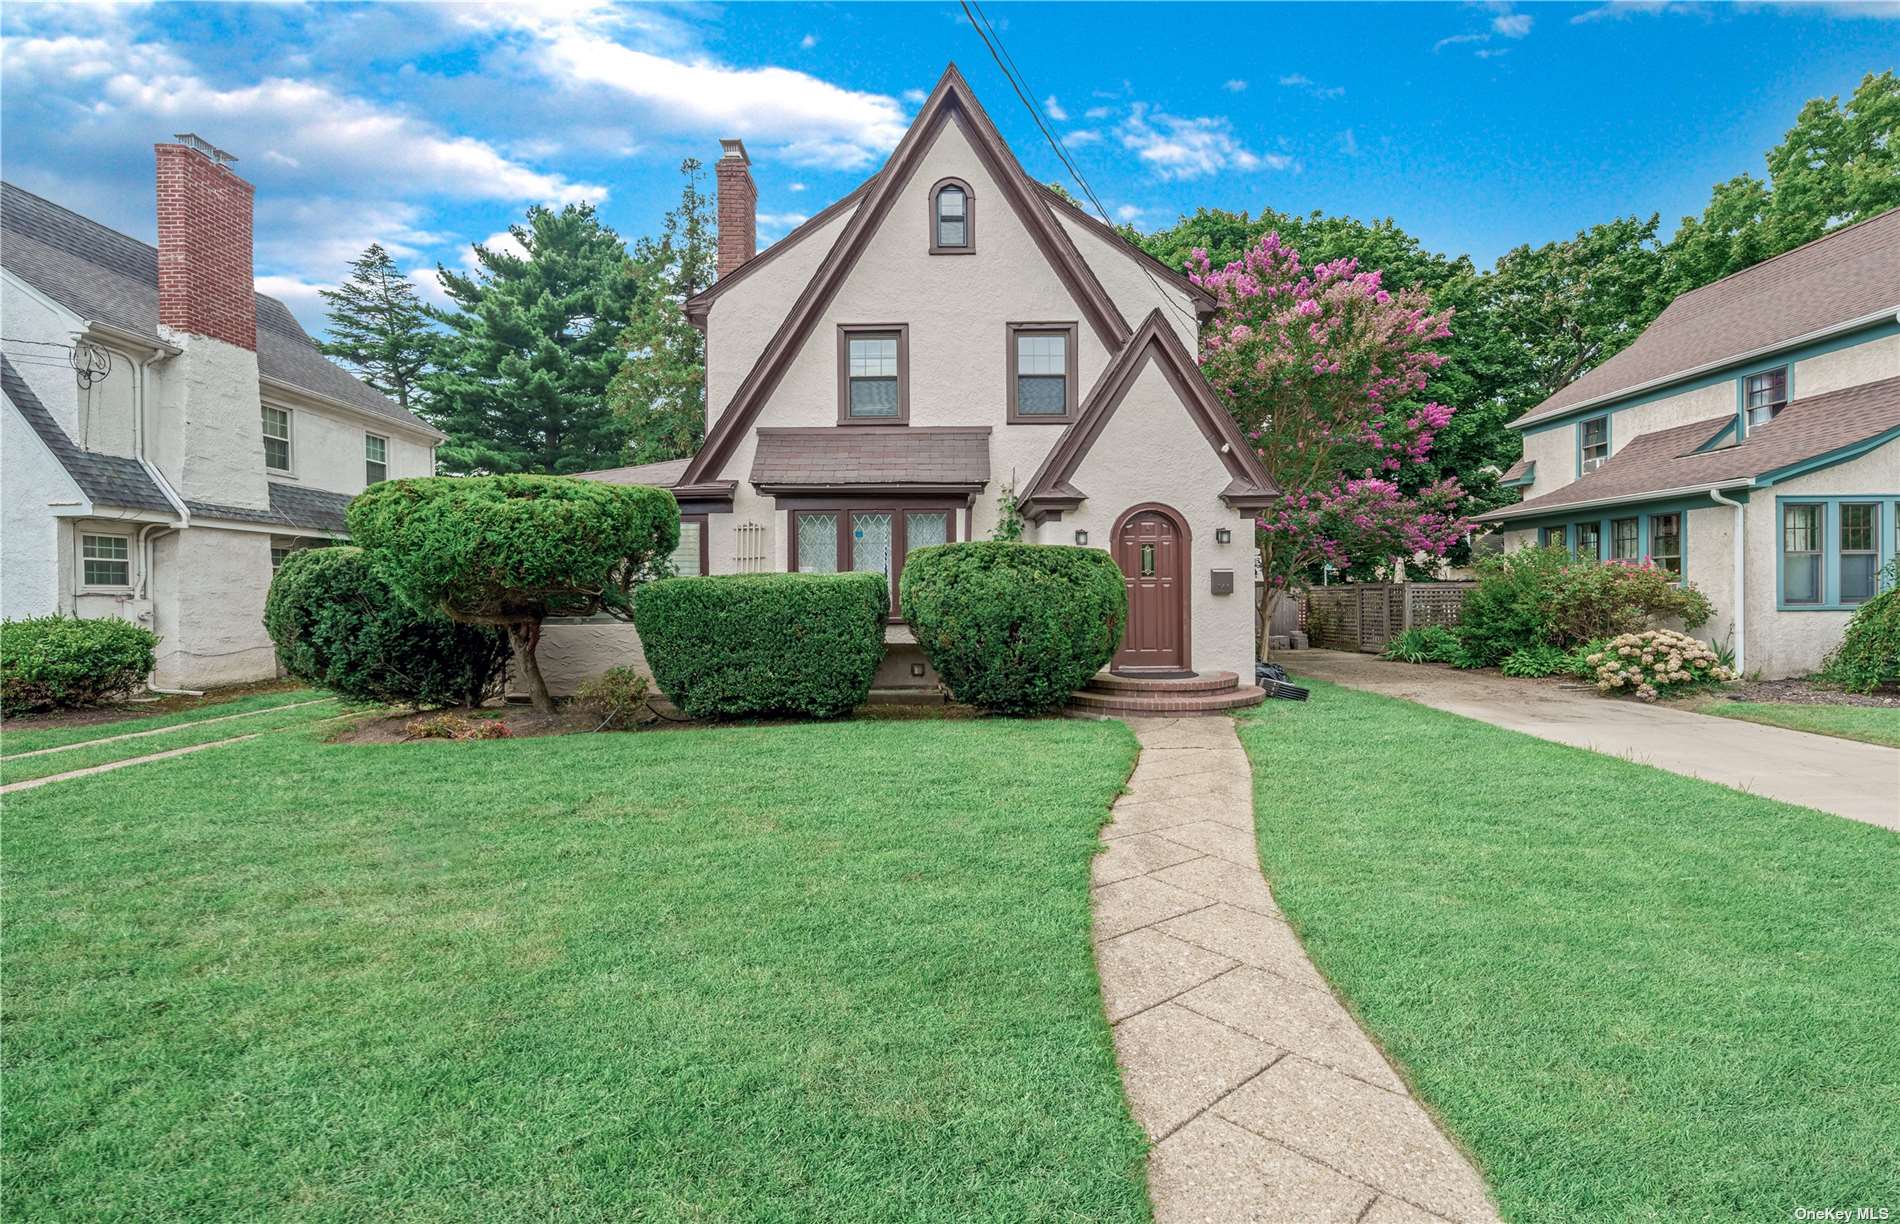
(1748, 440)
(170, 433)
(948, 331)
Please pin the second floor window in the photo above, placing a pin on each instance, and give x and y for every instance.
(872, 376)
(1041, 372)
(1593, 444)
(1764, 395)
(276, 438)
(951, 228)
(375, 459)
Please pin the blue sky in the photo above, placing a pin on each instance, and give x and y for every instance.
(429, 127)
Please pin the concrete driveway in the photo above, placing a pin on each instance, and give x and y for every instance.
(1845, 777)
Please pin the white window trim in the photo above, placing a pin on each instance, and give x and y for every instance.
(384, 439)
(290, 438)
(79, 564)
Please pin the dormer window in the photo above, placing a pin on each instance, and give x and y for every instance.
(1593, 444)
(1764, 395)
(952, 219)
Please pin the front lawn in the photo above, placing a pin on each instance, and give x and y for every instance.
(1873, 724)
(815, 972)
(1631, 994)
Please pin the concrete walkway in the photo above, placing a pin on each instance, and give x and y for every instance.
(1845, 777)
(1265, 1101)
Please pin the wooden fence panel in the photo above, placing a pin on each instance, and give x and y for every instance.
(1366, 615)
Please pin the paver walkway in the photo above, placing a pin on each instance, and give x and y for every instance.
(1845, 777)
(1263, 1098)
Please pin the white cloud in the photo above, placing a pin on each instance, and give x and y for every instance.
(1622, 10)
(916, 97)
(1234, 86)
(1511, 25)
(795, 187)
(1183, 147)
(1492, 52)
(303, 298)
(1129, 213)
(429, 286)
(1349, 143)
(1098, 112)
(1457, 39)
(784, 220)
(808, 42)
(502, 242)
(1301, 81)
(1054, 109)
(1080, 137)
(1295, 80)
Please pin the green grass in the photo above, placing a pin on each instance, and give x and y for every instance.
(1873, 724)
(34, 739)
(85, 755)
(1631, 994)
(801, 972)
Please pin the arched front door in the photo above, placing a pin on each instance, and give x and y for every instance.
(1151, 546)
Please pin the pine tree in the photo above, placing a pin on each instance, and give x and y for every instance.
(378, 327)
(522, 373)
(660, 389)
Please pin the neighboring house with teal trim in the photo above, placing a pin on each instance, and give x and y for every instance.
(1748, 440)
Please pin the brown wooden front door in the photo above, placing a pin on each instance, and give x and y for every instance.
(1151, 547)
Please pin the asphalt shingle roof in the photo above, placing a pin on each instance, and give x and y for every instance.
(872, 455)
(664, 474)
(1849, 274)
(1669, 459)
(101, 274)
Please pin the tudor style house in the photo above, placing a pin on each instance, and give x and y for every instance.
(170, 434)
(949, 334)
(1749, 440)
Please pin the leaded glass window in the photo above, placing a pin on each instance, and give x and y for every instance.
(923, 529)
(817, 543)
(686, 556)
(871, 542)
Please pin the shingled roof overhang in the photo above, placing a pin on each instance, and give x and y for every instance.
(831, 459)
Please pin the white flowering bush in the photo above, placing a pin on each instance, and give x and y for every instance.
(1653, 661)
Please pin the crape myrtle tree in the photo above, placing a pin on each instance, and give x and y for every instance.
(515, 550)
(1322, 368)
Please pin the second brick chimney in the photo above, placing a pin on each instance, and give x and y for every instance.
(205, 286)
(738, 207)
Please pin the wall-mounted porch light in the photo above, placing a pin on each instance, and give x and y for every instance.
(1223, 535)
(1081, 539)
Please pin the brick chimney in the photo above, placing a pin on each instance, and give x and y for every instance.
(205, 285)
(738, 207)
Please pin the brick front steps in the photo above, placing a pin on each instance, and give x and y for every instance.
(1112, 696)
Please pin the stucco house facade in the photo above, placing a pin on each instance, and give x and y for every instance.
(1749, 440)
(945, 334)
(170, 434)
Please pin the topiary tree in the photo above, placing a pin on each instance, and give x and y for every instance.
(63, 662)
(339, 623)
(1014, 628)
(515, 550)
(746, 645)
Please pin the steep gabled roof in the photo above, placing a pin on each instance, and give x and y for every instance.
(1203, 299)
(104, 276)
(950, 102)
(1851, 274)
(1818, 429)
(106, 480)
(1249, 485)
(701, 302)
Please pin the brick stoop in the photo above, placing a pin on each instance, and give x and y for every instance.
(1115, 696)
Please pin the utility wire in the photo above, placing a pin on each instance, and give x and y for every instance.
(993, 42)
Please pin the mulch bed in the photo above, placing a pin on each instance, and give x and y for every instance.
(523, 722)
(120, 711)
(1804, 692)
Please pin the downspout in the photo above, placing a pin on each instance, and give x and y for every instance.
(1739, 621)
(148, 551)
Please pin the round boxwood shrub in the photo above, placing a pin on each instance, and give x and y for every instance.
(1014, 628)
(514, 550)
(339, 624)
(63, 662)
(751, 645)
(1869, 654)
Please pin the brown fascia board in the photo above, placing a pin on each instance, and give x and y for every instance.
(700, 303)
(950, 101)
(1249, 484)
(1204, 303)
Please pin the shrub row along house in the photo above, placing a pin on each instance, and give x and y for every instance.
(170, 433)
(1749, 441)
(945, 337)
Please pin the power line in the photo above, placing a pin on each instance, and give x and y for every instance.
(1018, 84)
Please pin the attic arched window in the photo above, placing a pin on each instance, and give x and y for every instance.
(952, 218)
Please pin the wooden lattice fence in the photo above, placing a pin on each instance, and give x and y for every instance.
(1367, 615)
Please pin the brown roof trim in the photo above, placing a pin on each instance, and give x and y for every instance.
(950, 101)
(963, 488)
(1250, 485)
(832, 431)
(1203, 300)
(700, 303)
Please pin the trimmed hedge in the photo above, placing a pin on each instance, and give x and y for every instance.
(339, 624)
(1868, 657)
(64, 662)
(1014, 628)
(750, 645)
